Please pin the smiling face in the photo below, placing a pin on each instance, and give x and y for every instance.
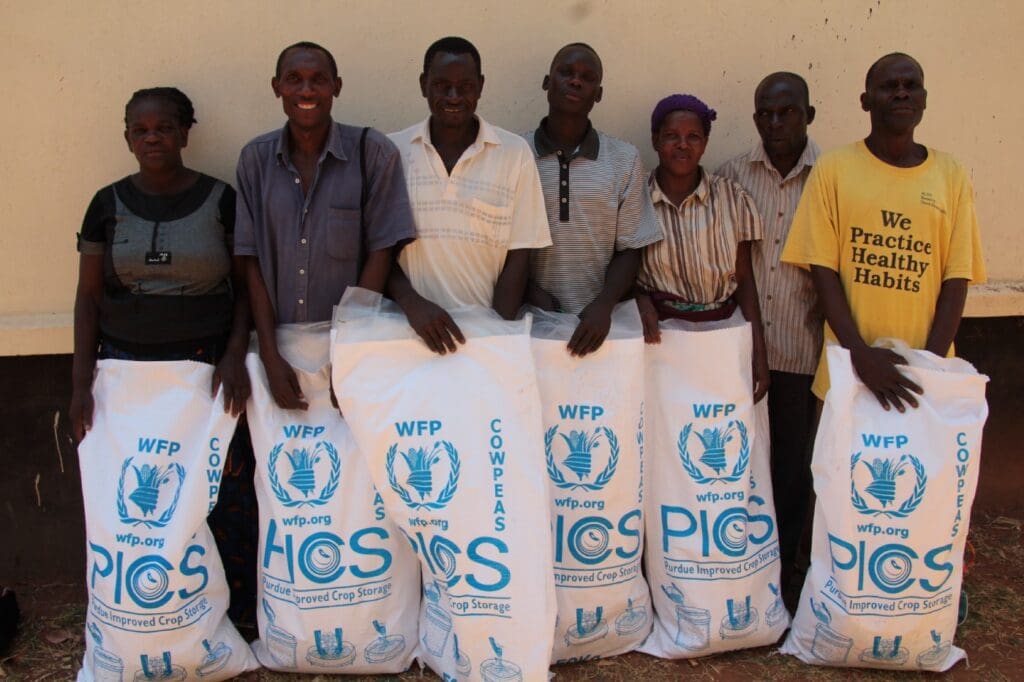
(781, 114)
(895, 95)
(154, 134)
(452, 87)
(306, 87)
(574, 83)
(680, 143)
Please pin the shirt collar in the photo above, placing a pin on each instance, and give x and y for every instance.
(807, 158)
(486, 135)
(334, 145)
(588, 148)
(702, 194)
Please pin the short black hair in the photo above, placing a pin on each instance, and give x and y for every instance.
(801, 84)
(307, 45)
(179, 100)
(580, 45)
(874, 67)
(452, 45)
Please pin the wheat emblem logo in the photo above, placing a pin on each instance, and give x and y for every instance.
(884, 473)
(149, 480)
(303, 463)
(420, 462)
(714, 456)
(581, 446)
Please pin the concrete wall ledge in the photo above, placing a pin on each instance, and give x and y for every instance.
(51, 333)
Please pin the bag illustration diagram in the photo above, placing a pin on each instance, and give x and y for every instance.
(151, 467)
(593, 411)
(338, 584)
(890, 522)
(455, 455)
(712, 546)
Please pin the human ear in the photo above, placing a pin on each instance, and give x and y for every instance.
(864, 102)
(423, 83)
(337, 86)
(274, 85)
(546, 83)
(810, 115)
(600, 91)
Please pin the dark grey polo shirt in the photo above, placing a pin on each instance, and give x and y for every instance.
(308, 246)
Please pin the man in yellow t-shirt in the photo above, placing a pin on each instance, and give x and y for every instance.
(888, 230)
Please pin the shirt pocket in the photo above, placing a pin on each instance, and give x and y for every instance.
(490, 223)
(343, 238)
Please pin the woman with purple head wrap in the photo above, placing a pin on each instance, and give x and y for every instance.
(701, 270)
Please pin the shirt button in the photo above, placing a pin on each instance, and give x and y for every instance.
(301, 301)
(297, 181)
(772, 268)
(564, 200)
(776, 241)
(559, 152)
(302, 241)
(769, 297)
(768, 324)
(301, 271)
(781, 214)
(565, 166)
(564, 183)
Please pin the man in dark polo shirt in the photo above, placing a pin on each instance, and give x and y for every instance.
(598, 206)
(299, 205)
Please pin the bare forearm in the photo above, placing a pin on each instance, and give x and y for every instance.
(241, 318)
(746, 292)
(620, 276)
(836, 307)
(83, 363)
(376, 270)
(511, 285)
(263, 316)
(399, 288)
(949, 310)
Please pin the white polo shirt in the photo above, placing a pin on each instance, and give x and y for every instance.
(468, 221)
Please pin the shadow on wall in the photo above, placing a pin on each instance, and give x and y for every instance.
(43, 525)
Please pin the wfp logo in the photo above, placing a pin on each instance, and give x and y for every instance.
(306, 466)
(881, 485)
(420, 463)
(715, 452)
(145, 489)
(581, 446)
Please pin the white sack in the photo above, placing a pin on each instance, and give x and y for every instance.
(894, 503)
(151, 467)
(712, 544)
(339, 587)
(593, 439)
(455, 446)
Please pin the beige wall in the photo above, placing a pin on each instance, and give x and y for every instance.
(70, 66)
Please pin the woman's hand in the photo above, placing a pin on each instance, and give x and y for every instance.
(231, 372)
(80, 411)
(649, 318)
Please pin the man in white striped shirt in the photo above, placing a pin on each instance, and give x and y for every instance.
(774, 173)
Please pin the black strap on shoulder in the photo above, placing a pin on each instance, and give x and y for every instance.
(364, 193)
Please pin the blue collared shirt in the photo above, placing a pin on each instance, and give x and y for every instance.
(308, 246)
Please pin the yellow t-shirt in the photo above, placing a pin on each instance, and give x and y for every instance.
(893, 235)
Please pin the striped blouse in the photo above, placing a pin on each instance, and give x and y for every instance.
(792, 318)
(696, 260)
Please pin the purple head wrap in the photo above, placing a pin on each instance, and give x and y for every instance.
(682, 103)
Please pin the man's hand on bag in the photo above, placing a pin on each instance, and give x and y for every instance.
(434, 325)
(595, 321)
(876, 367)
(231, 373)
(80, 412)
(284, 384)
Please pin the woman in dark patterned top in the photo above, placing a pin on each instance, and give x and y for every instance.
(157, 282)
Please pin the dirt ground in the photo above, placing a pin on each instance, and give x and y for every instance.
(50, 644)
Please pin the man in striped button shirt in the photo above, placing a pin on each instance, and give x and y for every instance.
(774, 173)
(598, 206)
